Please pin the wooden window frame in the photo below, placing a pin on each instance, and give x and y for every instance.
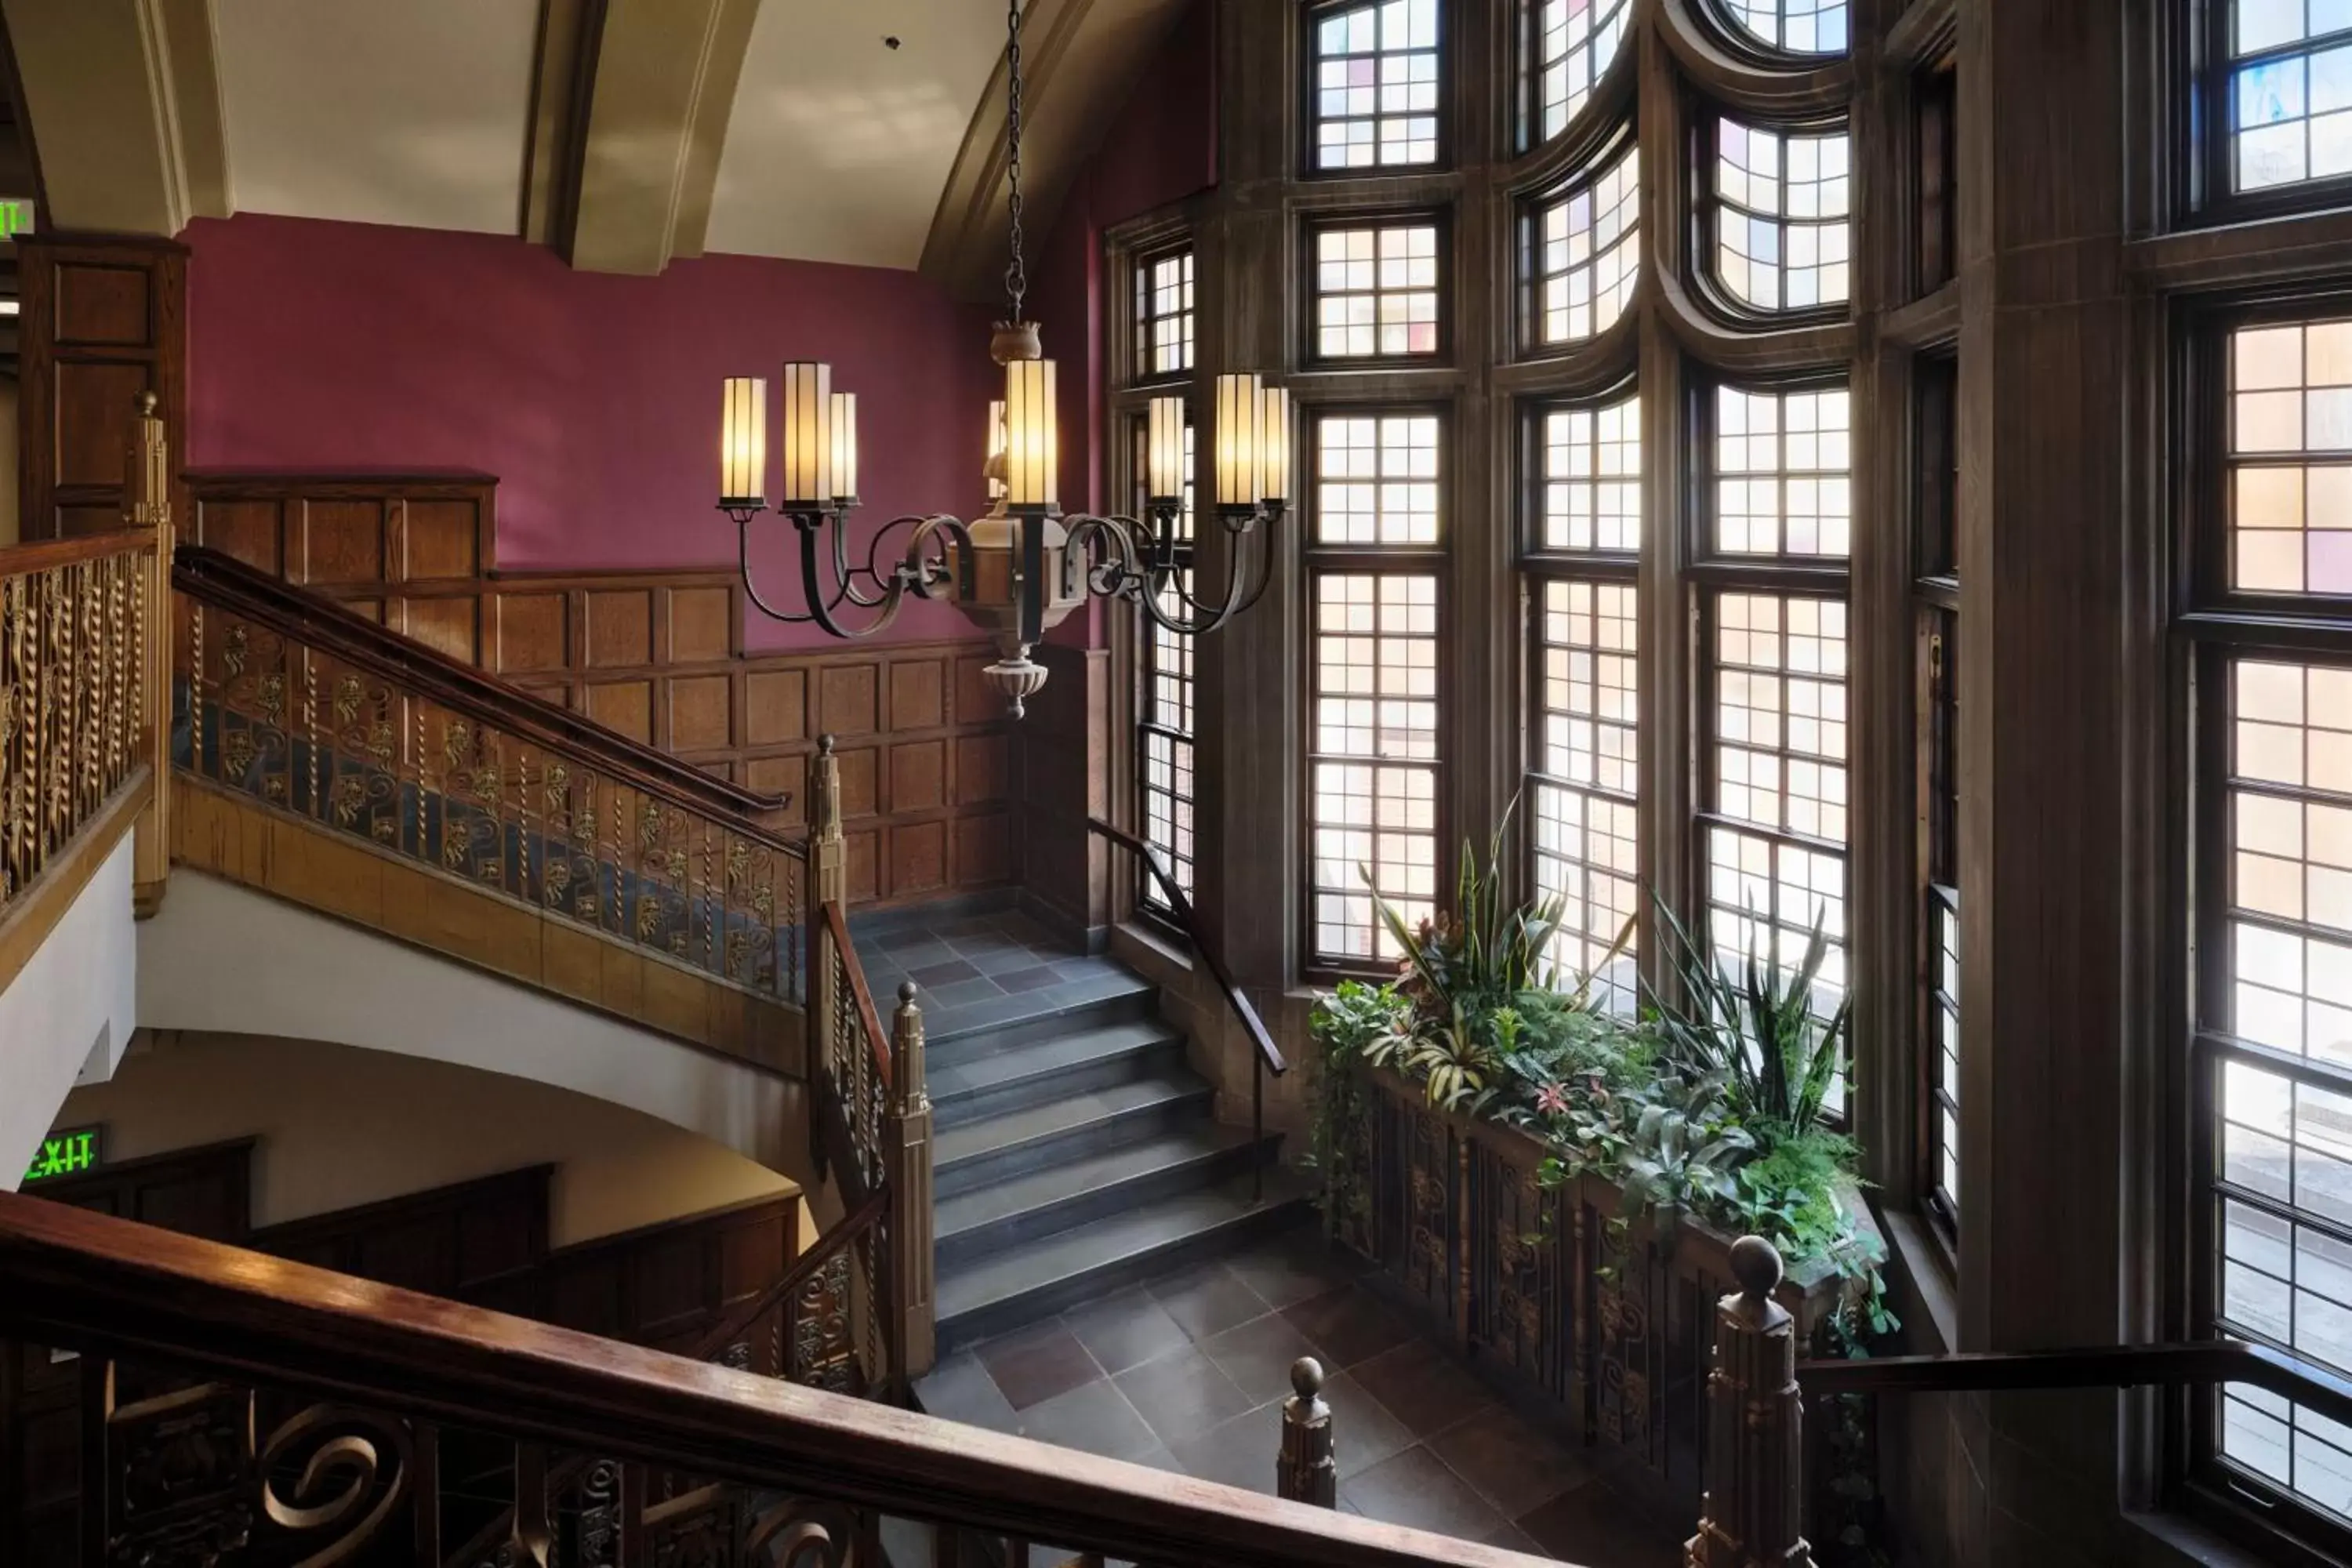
(1310, 345)
(1311, 17)
(1707, 204)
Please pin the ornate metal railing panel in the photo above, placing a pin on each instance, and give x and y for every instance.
(339, 743)
(855, 1067)
(220, 1408)
(75, 623)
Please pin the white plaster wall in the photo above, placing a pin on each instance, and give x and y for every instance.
(67, 1015)
(223, 959)
(336, 1127)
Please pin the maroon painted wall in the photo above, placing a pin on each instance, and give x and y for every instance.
(594, 398)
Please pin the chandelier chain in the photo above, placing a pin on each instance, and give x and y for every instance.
(1016, 273)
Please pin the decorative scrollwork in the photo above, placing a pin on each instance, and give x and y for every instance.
(356, 1468)
(798, 1535)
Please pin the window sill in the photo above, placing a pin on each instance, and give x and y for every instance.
(1927, 1268)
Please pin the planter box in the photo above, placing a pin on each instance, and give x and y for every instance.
(1608, 1328)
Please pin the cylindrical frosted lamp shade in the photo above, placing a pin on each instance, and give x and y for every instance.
(808, 435)
(743, 442)
(994, 464)
(1031, 446)
(1164, 450)
(845, 446)
(1274, 444)
(1239, 411)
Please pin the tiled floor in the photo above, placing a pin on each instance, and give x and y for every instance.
(980, 969)
(1189, 1374)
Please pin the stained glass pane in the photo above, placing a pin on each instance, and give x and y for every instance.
(1782, 235)
(1782, 463)
(1376, 480)
(1376, 291)
(1592, 253)
(1592, 478)
(1374, 782)
(1575, 42)
(1375, 97)
(2291, 459)
(1587, 790)
(2290, 110)
(1796, 26)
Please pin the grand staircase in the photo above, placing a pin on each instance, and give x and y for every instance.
(1077, 1151)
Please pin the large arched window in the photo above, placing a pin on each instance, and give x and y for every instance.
(1376, 84)
(1575, 41)
(1792, 26)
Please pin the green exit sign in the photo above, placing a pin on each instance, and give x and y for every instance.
(67, 1154)
(15, 218)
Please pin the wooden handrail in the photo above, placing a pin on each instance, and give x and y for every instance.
(222, 581)
(838, 925)
(2110, 1366)
(820, 1252)
(1182, 908)
(22, 559)
(104, 1285)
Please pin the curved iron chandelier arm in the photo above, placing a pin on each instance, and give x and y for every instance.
(1265, 572)
(820, 610)
(1102, 551)
(923, 574)
(750, 587)
(1205, 618)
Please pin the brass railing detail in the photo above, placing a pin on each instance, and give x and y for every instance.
(312, 730)
(76, 618)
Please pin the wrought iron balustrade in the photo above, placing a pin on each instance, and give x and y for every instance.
(314, 711)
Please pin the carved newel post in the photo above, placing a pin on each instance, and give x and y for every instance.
(828, 861)
(1307, 1472)
(147, 504)
(1753, 1513)
(907, 1150)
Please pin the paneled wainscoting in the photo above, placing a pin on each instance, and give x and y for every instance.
(660, 658)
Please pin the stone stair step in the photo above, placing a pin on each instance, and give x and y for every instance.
(1055, 1067)
(1072, 1192)
(999, 1148)
(1006, 1289)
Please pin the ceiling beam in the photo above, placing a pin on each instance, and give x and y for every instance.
(123, 105)
(1080, 59)
(660, 86)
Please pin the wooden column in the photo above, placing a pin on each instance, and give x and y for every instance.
(907, 1154)
(1755, 1446)
(147, 503)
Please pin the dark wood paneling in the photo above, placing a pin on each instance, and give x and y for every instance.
(659, 657)
(474, 1241)
(669, 1285)
(102, 318)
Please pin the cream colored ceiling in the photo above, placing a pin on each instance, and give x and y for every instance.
(785, 128)
(414, 112)
(839, 144)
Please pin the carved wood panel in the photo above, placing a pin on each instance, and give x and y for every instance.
(102, 319)
(659, 655)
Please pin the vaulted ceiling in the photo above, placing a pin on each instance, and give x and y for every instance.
(624, 132)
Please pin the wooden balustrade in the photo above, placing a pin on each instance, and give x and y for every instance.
(250, 1410)
(313, 710)
(78, 721)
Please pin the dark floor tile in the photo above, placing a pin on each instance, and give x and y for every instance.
(1208, 1300)
(1414, 1489)
(932, 976)
(1017, 981)
(913, 936)
(1294, 1268)
(1515, 1467)
(1600, 1526)
(1511, 1538)
(1037, 1364)
(1363, 1433)
(1093, 1417)
(959, 1389)
(1349, 1325)
(1125, 1330)
(1182, 1394)
(1258, 1355)
(942, 1005)
(1240, 1452)
(1004, 955)
(1423, 1387)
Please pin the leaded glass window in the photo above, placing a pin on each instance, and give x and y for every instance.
(1163, 314)
(2291, 459)
(1376, 84)
(1592, 252)
(1782, 234)
(1575, 40)
(2290, 91)
(1376, 291)
(1794, 27)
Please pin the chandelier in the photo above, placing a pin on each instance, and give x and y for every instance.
(1022, 566)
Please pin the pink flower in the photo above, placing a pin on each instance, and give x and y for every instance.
(1552, 1099)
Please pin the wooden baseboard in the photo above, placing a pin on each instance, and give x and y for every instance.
(219, 832)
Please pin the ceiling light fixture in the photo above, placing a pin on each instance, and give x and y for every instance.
(1022, 567)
